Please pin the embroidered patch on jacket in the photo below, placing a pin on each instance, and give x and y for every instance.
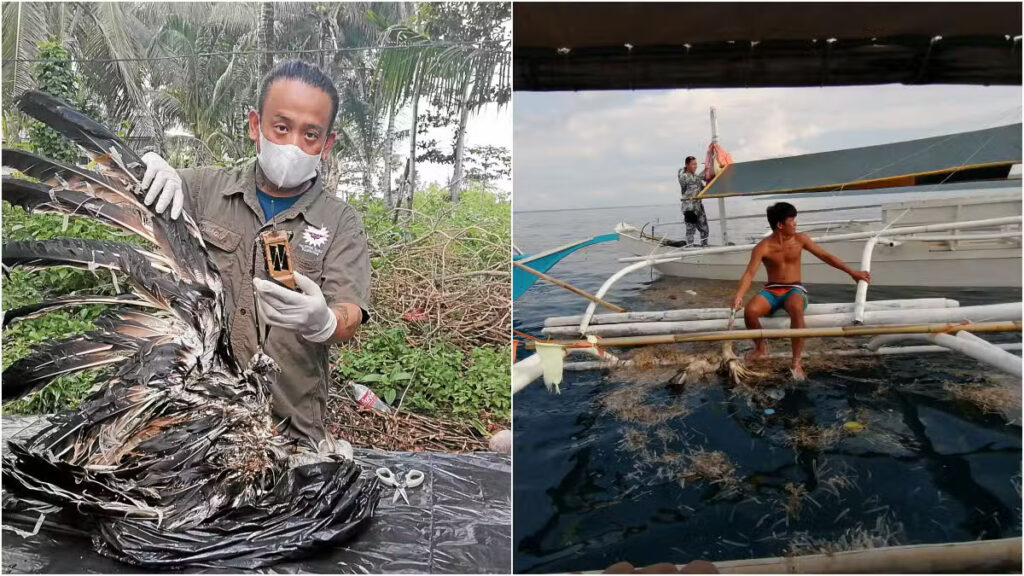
(314, 239)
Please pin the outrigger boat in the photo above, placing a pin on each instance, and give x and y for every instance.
(977, 167)
(614, 46)
(973, 239)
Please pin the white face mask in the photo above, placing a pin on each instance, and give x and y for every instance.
(286, 165)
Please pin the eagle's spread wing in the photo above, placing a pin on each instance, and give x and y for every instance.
(175, 459)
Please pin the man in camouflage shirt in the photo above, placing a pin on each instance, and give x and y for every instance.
(693, 208)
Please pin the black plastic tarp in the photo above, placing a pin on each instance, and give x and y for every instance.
(457, 521)
(858, 166)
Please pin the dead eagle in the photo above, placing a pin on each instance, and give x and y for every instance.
(175, 460)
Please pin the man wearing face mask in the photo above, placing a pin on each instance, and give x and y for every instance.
(281, 189)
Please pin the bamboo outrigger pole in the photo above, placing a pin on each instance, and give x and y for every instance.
(568, 287)
(583, 366)
(976, 556)
(829, 332)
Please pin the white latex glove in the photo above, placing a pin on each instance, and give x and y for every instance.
(305, 312)
(335, 446)
(162, 181)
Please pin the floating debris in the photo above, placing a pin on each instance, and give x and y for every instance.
(647, 357)
(990, 398)
(814, 438)
(794, 502)
(713, 468)
(833, 478)
(853, 427)
(633, 403)
(634, 441)
(665, 434)
(886, 532)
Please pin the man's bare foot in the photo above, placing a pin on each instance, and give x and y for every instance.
(797, 370)
(756, 354)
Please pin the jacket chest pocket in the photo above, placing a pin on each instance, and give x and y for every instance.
(219, 236)
(223, 244)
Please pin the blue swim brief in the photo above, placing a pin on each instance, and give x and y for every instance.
(776, 295)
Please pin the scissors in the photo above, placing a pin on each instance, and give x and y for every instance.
(413, 478)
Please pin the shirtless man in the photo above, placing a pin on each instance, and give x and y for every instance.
(781, 253)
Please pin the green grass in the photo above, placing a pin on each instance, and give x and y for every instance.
(441, 378)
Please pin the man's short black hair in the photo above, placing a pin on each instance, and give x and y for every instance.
(306, 72)
(687, 161)
(778, 212)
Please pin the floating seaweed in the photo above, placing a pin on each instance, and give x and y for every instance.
(885, 532)
(633, 403)
(814, 438)
(713, 468)
(989, 398)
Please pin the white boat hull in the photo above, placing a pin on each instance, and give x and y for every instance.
(991, 262)
(912, 263)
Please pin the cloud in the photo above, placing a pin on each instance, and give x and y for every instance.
(603, 149)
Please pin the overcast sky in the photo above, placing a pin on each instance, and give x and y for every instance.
(604, 149)
(491, 126)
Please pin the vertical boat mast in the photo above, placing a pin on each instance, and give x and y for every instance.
(714, 126)
(721, 201)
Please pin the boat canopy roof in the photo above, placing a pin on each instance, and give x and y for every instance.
(968, 156)
(659, 45)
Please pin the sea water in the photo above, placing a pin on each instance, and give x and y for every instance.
(931, 470)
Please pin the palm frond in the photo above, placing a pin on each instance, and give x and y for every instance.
(120, 80)
(24, 25)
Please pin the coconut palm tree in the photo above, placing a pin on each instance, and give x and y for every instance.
(486, 23)
(204, 45)
(106, 38)
(337, 33)
(265, 35)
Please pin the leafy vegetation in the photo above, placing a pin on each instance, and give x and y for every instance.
(453, 360)
(22, 287)
(433, 378)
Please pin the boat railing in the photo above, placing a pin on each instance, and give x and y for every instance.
(828, 224)
(654, 223)
(890, 235)
(913, 206)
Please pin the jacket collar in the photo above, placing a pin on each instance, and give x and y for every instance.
(250, 175)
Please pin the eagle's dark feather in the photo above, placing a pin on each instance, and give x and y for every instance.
(43, 198)
(31, 311)
(175, 459)
(86, 132)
